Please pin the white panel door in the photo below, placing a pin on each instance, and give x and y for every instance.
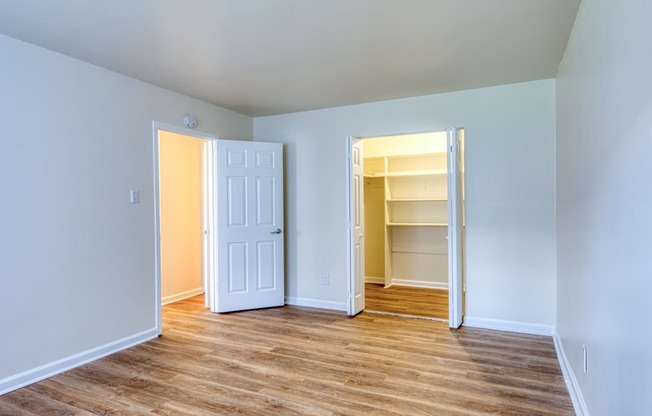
(356, 226)
(455, 230)
(250, 269)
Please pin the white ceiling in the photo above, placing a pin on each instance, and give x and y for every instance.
(263, 57)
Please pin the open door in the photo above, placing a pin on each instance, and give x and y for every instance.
(250, 250)
(455, 229)
(355, 225)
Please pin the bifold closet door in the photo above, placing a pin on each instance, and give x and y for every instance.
(356, 226)
(455, 228)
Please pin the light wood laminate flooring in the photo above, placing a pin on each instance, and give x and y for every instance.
(407, 300)
(300, 361)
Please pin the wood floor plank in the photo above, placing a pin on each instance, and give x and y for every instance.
(82, 399)
(407, 300)
(29, 402)
(300, 361)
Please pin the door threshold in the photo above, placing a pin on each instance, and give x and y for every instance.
(402, 315)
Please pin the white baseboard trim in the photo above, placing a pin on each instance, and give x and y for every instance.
(569, 377)
(511, 326)
(419, 283)
(316, 303)
(25, 378)
(374, 279)
(182, 295)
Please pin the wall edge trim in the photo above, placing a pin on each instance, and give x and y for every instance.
(53, 368)
(572, 385)
(419, 283)
(374, 279)
(511, 326)
(182, 295)
(316, 303)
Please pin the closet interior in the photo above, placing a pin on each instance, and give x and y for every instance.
(406, 210)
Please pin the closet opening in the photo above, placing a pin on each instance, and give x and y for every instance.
(407, 225)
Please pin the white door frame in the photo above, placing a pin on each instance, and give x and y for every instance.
(207, 215)
(349, 230)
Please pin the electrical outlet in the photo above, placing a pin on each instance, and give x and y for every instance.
(326, 279)
(585, 358)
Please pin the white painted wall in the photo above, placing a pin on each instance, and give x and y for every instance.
(604, 204)
(374, 228)
(510, 168)
(77, 260)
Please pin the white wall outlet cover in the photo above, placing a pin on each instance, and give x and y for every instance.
(190, 121)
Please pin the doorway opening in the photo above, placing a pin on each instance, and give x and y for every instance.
(407, 232)
(241, 227)
(183, 211)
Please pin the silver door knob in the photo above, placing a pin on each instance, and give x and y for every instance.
(277, 231)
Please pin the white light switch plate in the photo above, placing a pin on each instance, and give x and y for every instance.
(134, 196)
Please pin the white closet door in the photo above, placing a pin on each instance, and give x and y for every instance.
(455, 230)
(356, 227)
(250, 270)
